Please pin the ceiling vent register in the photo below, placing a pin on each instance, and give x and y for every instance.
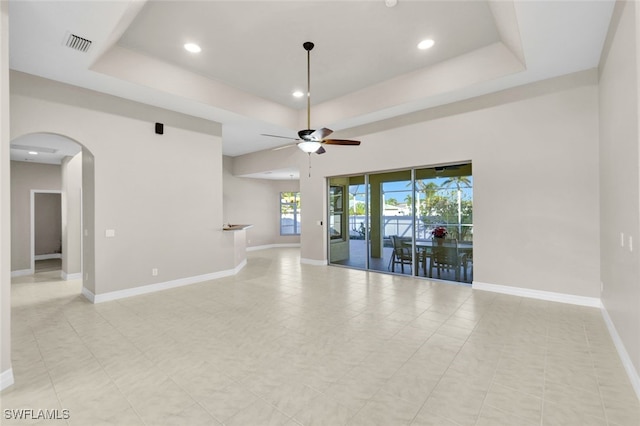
(78, 43)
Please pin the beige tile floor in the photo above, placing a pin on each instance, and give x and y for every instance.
(286, 344)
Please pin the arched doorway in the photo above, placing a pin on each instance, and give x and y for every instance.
(48, 164)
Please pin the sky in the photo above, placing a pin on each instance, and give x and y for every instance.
(400, 190)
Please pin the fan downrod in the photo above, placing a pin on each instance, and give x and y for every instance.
(308, 134)
(308, 46)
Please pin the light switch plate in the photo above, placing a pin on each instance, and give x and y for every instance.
(109, 233)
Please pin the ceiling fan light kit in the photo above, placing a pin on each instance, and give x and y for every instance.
(309, 146)
(310, 140)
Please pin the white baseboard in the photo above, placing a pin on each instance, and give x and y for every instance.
(21, 273)
(270, 246)
(152, 288)
(69, 277)
(88, 295)
(47, 256)
(314, 262)
(6, 379)
(594, 302)
(551, 296)
(632, 373)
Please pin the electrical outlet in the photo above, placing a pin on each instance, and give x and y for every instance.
(154, 272)
(622, 239)
(630, 243)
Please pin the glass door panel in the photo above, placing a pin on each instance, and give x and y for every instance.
(348, 221)
(391, 222)
(444, 221)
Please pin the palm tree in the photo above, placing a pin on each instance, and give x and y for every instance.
(459, 182)
(430, 191)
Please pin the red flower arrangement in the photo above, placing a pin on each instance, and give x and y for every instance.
(439, 232)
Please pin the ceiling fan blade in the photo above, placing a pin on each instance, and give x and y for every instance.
(281, 137)
(278, 148)
(341, 142)
(321, 150)
(320, 134)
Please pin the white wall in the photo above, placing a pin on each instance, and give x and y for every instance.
(6, 375)
(161, 194)
(72, 215)
(535, 154)
(256, 202)
(620, 178)
(88, 222)
(26, 177)
(535, 189)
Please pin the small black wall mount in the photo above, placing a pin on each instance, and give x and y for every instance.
(159, 128)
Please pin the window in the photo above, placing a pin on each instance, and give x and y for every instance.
(290, 213)
(336, 211)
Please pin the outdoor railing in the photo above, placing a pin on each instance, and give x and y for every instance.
(402, 226)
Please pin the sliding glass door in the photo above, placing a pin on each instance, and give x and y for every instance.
(413, 222)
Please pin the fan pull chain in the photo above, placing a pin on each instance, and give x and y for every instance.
(309, 164)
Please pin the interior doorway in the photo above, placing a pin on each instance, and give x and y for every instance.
(49, 168)
(46, 230)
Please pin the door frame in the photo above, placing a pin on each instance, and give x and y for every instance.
(32, 206)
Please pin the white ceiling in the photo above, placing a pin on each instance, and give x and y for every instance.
(48, 148)
(257, 46)
(365, 66)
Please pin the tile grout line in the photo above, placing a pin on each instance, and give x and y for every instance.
(595, 371)
(102, 365)
(48, 371)
(448, 367)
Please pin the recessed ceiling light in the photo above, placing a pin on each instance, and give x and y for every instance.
(426, 44)
(192, 47)
(391, 3)
(298, 94)
(33, 153)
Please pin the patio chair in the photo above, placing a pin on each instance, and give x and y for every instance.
(401, 254)
(466, 261)
(445, 257)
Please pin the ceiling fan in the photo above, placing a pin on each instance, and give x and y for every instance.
(312, 140)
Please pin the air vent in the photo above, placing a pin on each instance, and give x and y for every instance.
(78, 43)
